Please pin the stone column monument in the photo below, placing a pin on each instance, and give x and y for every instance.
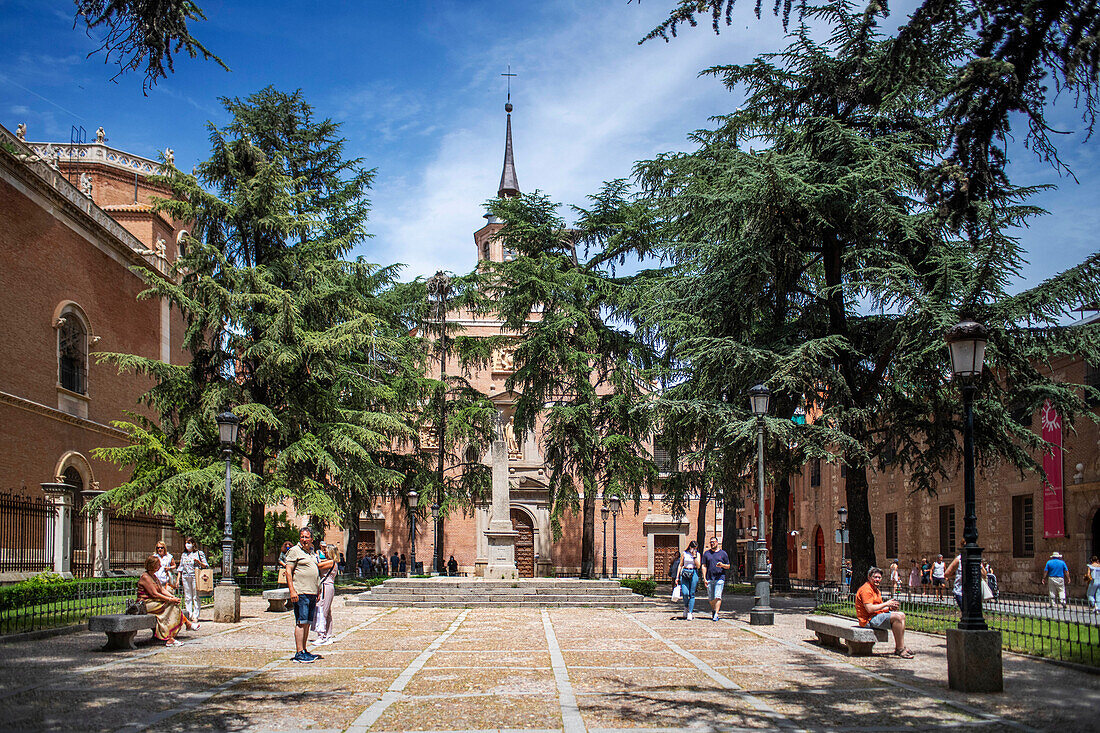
(500, 536)
(59, 534)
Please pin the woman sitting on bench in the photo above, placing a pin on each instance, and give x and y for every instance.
(160, 603)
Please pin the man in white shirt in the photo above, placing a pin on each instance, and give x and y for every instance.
(939, 576)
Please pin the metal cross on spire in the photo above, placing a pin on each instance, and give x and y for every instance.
(509, 76)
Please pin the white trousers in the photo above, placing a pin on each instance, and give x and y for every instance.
(322, 620)
(1057, 589)
(191, 604)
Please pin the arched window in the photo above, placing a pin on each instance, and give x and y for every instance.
(72, 352)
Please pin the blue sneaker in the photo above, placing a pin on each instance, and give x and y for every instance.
(310, 656)
(304, 657)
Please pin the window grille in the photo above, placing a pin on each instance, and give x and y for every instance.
(948, 545)
(72, 354)
(892, 535)
(1023, 526)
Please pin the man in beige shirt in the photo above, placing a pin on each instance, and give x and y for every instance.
(302, 580)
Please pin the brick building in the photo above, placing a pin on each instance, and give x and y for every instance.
(1019, 521)
(74, 221)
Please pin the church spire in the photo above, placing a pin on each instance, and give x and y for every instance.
(509, 183)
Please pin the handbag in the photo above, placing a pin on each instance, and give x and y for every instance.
(204, 580)
(987, 594)
(282, 575)
(677, 594)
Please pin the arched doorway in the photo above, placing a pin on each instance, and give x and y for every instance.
(525, 543)
(819, 555)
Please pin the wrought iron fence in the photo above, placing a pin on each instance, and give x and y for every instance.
(63, 604)
(1027, 623)
(134, 536)
(25, 540)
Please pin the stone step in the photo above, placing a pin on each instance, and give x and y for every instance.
(620, 591)
(572, 602)
(471, 597)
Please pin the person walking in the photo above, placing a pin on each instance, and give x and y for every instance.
(1093, 592)
(690, 562)
(322, 621)
(895, 578)
(715, 564)
(1056, 577)
(303, 581)
(191, 560)
(925, 576)
(914, 577)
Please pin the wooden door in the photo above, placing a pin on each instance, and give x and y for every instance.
(366, 543)
(792, 555)
(525, 543)
(819, 555)
(665, 548)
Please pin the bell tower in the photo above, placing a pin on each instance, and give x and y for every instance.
(489, 248)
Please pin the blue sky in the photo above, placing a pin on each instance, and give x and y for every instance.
(418, 90)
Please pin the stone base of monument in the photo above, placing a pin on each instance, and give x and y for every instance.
(974, 661)
(227, 604)
(502, 554)
(484, 593)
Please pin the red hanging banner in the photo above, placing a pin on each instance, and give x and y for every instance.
(1054, 515)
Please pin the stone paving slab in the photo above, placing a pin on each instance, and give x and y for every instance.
(520, 669)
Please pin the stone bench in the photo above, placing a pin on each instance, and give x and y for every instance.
(276, 599)
(858, 640)
(121, 628)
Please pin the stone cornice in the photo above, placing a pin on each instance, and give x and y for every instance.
(37, 408)
(29, 172)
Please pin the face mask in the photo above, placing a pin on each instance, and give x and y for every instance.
(190, 546)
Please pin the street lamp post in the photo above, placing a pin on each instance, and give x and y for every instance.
(842, 522)
(435, 539)
(414, 498)
(761, 614)
(227, 596)
(604, 512)
(616, 506)
(973, 651)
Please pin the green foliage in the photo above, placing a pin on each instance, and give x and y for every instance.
(277, 530)
(645, 588)
(144, 32)
(51, 587)
(579, 371)
(311, 351)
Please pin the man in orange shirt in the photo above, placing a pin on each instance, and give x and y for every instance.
(872, 612)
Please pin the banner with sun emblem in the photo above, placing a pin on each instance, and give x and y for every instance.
(1054, 515)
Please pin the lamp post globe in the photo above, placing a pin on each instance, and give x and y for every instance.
(972, 645)
(761, 613)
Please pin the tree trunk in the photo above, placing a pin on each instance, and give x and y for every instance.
(861, 538)
(256, 539)
(351, 550)
(588, 533)
(701, 520)
(780, 527)
(729, 537)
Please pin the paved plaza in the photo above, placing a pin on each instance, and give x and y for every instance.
(569, 669)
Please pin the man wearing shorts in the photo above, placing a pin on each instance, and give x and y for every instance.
(872, 612)
(715, 564)
(939, 576)
(303, 581)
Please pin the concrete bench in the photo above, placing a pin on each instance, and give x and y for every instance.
(858, 640)
(121, 628)
(276, 599)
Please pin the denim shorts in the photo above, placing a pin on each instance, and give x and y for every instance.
(714, 589)
(305, 608)
(880, 620)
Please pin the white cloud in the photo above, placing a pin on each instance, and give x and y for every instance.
(589, 103)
